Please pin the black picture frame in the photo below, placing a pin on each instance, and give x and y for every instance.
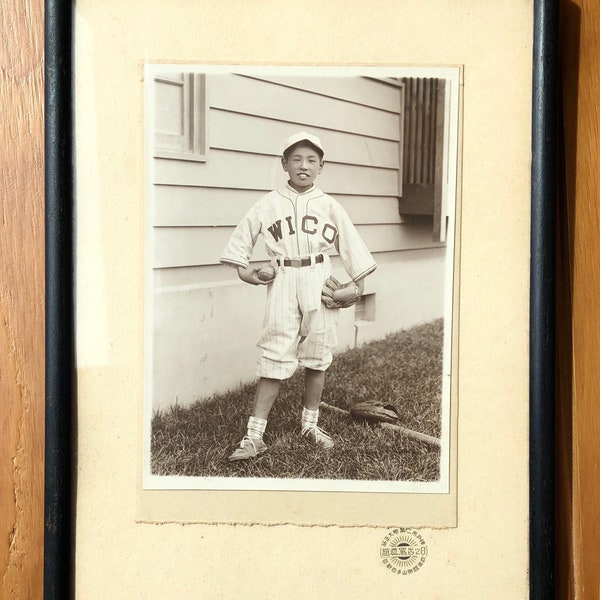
(59, 303)
(544, 142)
(60, 372)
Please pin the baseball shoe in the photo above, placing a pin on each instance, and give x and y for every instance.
(248, 448)
(315, 435)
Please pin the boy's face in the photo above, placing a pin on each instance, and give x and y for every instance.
(303, 164)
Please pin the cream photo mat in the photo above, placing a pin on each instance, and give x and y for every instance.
(114, 520)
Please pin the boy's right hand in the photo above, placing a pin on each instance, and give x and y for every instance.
(257, 275)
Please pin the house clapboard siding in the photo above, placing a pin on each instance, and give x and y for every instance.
(195, 205)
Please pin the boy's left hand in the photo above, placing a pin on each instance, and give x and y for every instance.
(336, 295)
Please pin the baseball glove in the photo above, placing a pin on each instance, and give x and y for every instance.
(336, 295)
(375, 412)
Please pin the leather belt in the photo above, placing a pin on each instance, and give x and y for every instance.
(300, 262)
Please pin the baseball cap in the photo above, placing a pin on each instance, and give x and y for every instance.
(301, 137)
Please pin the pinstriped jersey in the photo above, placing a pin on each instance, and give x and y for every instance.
(296, 225)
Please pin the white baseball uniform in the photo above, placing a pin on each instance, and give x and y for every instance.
(298, 328)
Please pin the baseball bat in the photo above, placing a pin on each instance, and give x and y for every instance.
(416, 435)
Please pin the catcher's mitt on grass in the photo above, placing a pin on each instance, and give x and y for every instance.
(336, 295)
(375, 411)
(385, 415)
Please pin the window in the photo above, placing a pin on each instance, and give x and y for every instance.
(180, 116)
(425, 142)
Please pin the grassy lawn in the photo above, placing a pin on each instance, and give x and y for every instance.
(404, 369)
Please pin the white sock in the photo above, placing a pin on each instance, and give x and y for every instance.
(256, 428)
(310, 418)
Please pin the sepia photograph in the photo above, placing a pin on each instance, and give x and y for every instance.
(301, 250)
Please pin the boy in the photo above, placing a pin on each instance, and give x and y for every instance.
(299, 224)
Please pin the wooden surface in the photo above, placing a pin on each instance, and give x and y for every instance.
(21, 298)
(578, 414)
(22, 286)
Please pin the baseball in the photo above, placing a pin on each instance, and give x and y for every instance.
(266, 273)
